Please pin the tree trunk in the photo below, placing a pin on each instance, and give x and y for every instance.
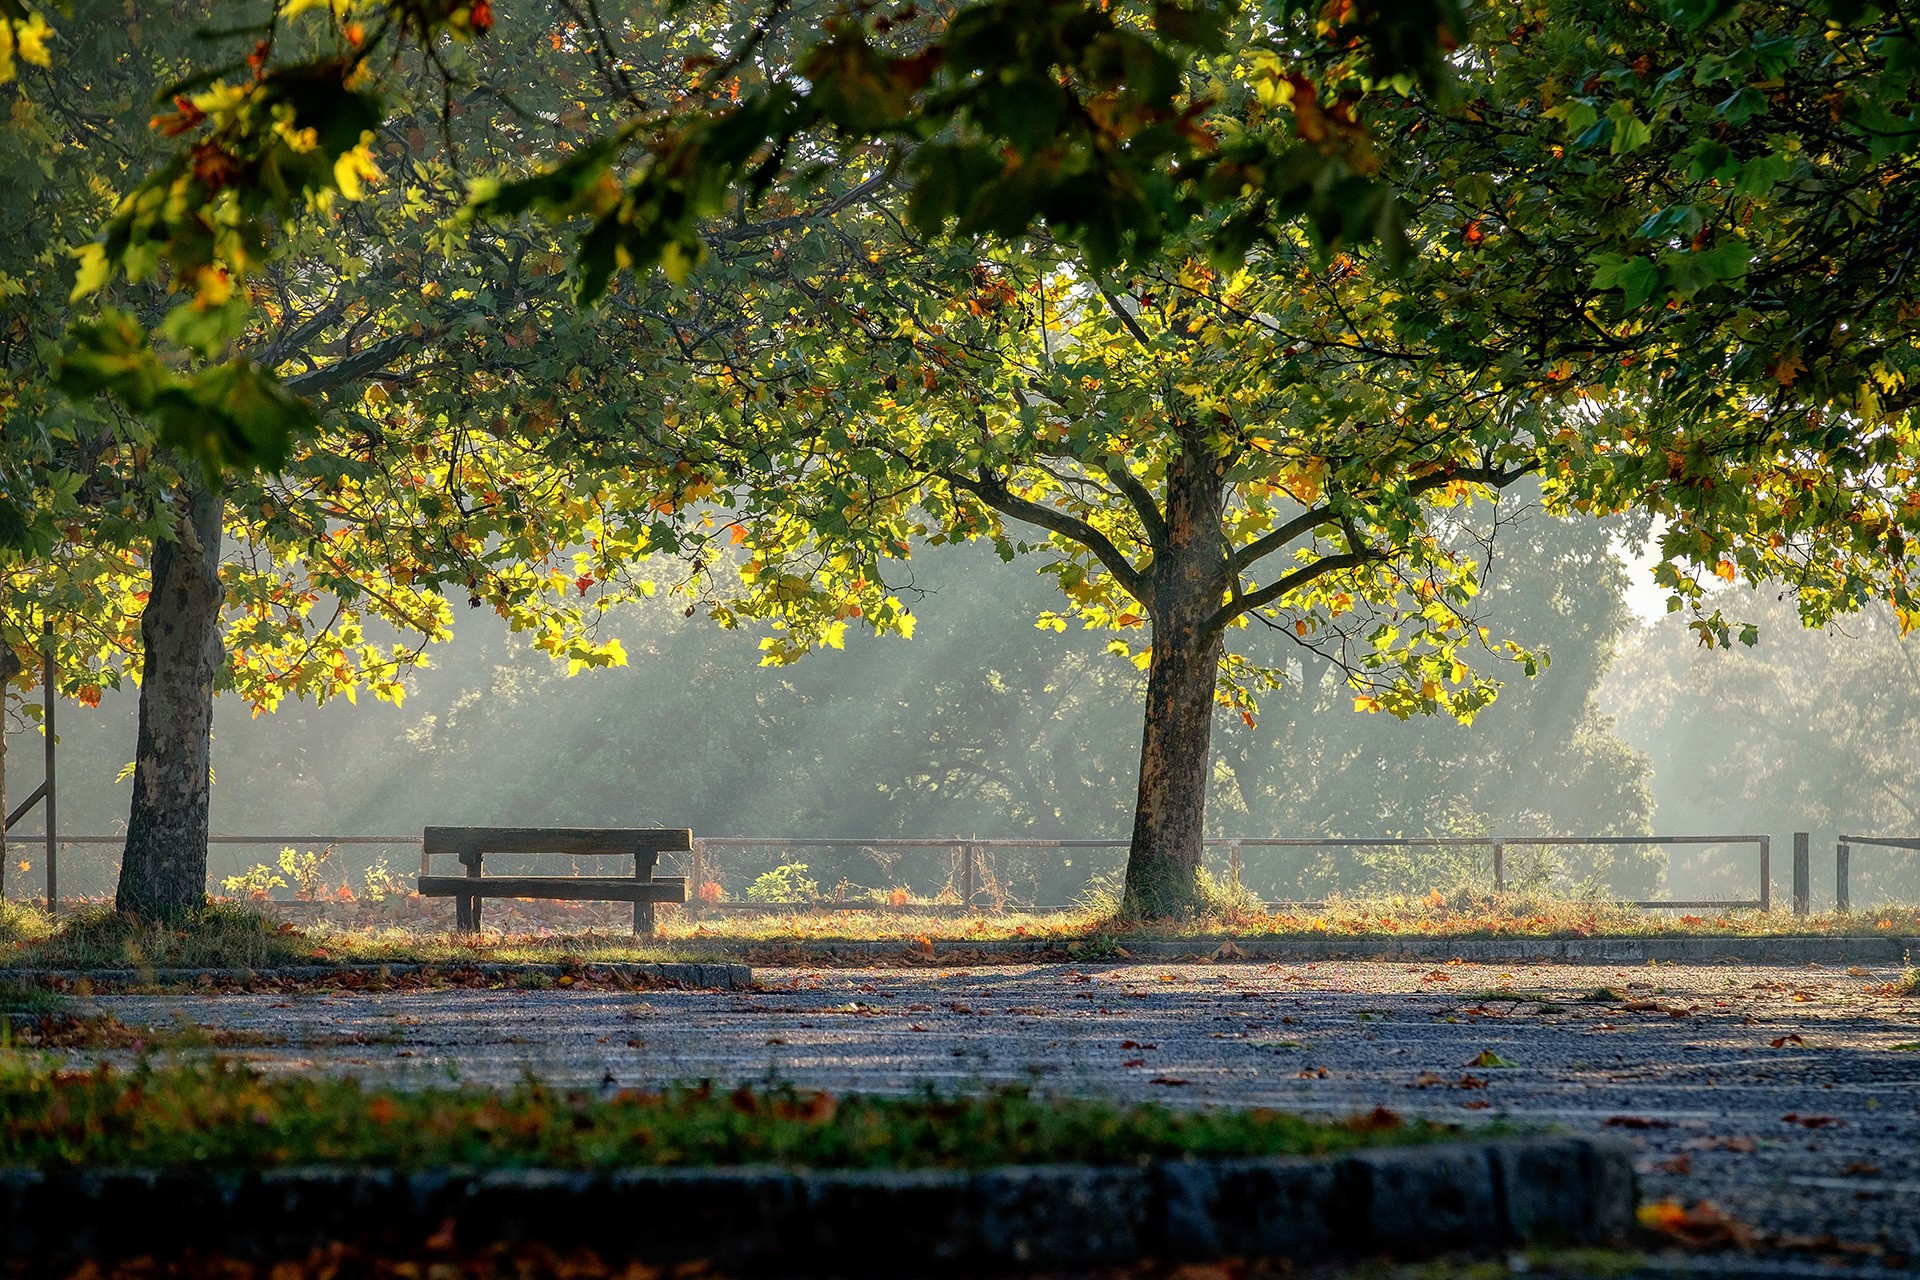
(1169, 816)
(1188, 587)
(163, 874)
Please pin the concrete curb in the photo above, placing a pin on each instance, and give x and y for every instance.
(1408, 1201)
(724, 975)
(1829, 950)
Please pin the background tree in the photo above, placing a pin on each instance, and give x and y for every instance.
(416, 479)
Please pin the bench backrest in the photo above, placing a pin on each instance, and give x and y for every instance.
(625, 841)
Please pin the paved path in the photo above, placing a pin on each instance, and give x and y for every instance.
(1790, 1096)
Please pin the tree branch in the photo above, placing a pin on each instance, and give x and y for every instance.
(993, 491)
(1141, 498)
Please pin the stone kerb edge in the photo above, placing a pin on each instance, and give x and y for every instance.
(1405, 1201)
(723, 975)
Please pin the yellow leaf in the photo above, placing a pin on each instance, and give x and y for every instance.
(31, 37)
(94, 269)
(353, 167)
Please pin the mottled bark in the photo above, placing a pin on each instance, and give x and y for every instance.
(1189, 582)
(163, 874)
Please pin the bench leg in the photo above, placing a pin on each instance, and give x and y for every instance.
(643, 920)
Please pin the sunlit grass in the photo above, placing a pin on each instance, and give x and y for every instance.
(228, 936)
(218, 1115)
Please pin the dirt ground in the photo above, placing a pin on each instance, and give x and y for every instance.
(1789, 1097)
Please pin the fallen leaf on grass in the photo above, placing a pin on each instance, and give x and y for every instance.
(1704, 1225)
(1378, 1120)
(1786, 1040)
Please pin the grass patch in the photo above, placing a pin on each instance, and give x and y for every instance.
(228, 936)
(218, 1115)
(26, 1000)
(220, 936)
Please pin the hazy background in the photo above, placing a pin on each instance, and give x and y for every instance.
(984, 725)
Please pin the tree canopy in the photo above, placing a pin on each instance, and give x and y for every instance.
(1237, 313)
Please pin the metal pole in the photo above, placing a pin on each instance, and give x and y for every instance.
(1842, 897)
(1766, 873)
(53, 850)
(3, 784)
(1802, 873)
(1499, 867)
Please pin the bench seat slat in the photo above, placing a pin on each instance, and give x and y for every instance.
(615, 841)
(573, 888)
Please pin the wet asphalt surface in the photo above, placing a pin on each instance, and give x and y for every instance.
(1790, 1097)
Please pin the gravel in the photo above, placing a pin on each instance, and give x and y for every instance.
(1786, 1095)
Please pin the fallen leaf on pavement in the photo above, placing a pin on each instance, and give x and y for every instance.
(1488, 1058)
(1682, 1163)
(1705, 1224)
(1812, 1122)
(1636, 1122)
(1168, 1080)
(1228, 951)
(1786, 1040)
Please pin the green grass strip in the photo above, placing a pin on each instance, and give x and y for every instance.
(222, 1116)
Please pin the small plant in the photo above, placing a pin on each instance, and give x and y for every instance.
(1228, 898)
(711, 892)
(898, 897)
(23, 922)
(305, 868)
(1103, 894)
(382, 883)
(257, 882)
(785, 883)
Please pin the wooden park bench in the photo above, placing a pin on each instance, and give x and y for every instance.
(472, 844)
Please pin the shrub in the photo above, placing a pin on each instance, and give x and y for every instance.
(257, 883)
(382, 883)
(305, 868)
(785, 883)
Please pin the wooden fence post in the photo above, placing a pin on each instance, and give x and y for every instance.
(1842, 891)
(697, 860)
(1766, 873)
(1802, 873)
(1499, 867)
(966, 876)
